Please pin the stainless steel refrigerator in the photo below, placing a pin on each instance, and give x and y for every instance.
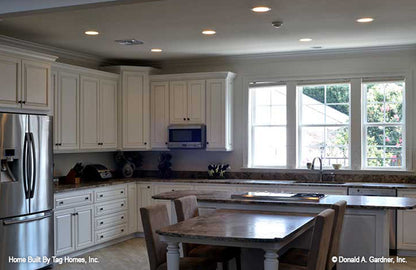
(26, 190)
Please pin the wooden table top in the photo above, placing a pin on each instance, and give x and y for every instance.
(241, 225)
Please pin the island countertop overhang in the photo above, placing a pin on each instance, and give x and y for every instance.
(353, 201)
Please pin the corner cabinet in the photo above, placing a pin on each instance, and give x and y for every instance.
(25, 81)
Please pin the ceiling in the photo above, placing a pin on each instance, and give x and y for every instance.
(176, 25)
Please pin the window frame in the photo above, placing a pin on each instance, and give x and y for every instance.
(301, 125)
(364, 125)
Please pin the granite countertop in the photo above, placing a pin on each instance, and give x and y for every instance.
(92, 184)
(237, 225)
(353, 201)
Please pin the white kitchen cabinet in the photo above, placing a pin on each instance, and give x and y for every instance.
(219, 114)
(145, 192)
(10, 78)
(64, 232)
(406, 223)
(90, 88)
(136, 111)
(108, 114)
(98, 113)
(36, 92)
(84, 226)
(66, 112)
(159, 115)
(187, 102)
(133, 207)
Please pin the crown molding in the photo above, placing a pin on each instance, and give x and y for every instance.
(287, 55)
(62, 54)
(193, 76)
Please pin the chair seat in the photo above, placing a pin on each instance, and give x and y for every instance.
(215, 253)
(286, 266)
(297, 256)
(189, 263)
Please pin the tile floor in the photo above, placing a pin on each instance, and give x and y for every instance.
(132, 254)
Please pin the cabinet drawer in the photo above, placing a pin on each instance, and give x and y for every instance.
(110, 221)
(73, 199)
(110, 207)
(113, 193)
(111, 233)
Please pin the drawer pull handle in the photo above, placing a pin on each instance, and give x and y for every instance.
(87, 198)
(148, 186)
(122, 217)
(102, 236)
(101, 223)
(122, 204)
(122, 192)
(122, 230)
(101, 195)
(101, 209)
(61, 203)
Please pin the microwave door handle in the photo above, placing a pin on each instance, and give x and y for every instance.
(33, 165)
(25, 167)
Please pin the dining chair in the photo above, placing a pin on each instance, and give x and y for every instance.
(300, 256)
(186, 208)
(318, 252)
(156, 217)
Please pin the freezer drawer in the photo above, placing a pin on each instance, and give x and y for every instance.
(26, 236)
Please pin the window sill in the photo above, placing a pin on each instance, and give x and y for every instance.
(341, 171)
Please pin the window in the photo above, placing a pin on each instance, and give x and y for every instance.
(324, 123)
(384, 124)
(267, 124)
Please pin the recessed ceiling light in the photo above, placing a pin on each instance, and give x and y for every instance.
(156, 50)
(129, 42)
(91, 33)
(261, 9)
(305, 39)
(365, 20)
(209, 32)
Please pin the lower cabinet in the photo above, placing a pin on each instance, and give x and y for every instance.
(74, 229)
(406, 222)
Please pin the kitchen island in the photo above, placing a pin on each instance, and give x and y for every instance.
(366, 225)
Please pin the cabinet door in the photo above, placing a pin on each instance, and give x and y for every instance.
(196, 102)
(67, 111)
(84, 226)
(64, 232)
(136, 113)
(108, 114)
(144, 198)
(178, 102)
(89, 113)
(159, 107)
(406, 222)
(133, 209)
(218, 116)
(10, 82)
(36, 85)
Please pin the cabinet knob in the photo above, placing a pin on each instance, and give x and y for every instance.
(24, 102)
(148, 186)
(20, 102)
(122, 230)
(207, 142)
(121, 192)
(87, 198)
(102, 236)
(61, 203)
(184, 119)
(188, 119)
(166, 143)
(122, 204)
(145, 143)
(101, 209)
(101, 195)
(101, 223)
(122, 217)
(60, 144)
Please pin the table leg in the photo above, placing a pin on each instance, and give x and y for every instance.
(172, 256)
(270, 260)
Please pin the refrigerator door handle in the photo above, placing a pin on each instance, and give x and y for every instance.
(25, 167)
(25, 219)
(33, 166)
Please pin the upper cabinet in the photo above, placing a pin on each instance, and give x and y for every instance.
(25, 79)
(187, 102)
(194, 98)
(86, 109)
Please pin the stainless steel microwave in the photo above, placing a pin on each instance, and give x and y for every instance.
(187, 136)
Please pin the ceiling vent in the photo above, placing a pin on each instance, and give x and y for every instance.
(129, 42)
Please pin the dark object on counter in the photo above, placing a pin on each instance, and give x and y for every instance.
(217, 171)
(73, 176)
(96, 172)
(128, 163)
(164, 166)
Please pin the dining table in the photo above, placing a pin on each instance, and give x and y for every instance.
(266, 230)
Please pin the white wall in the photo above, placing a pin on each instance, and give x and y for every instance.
(350, 64)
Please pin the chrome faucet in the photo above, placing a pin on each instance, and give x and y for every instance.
(320, 167)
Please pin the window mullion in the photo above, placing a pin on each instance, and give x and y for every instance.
(356, 130)
(291, 130)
